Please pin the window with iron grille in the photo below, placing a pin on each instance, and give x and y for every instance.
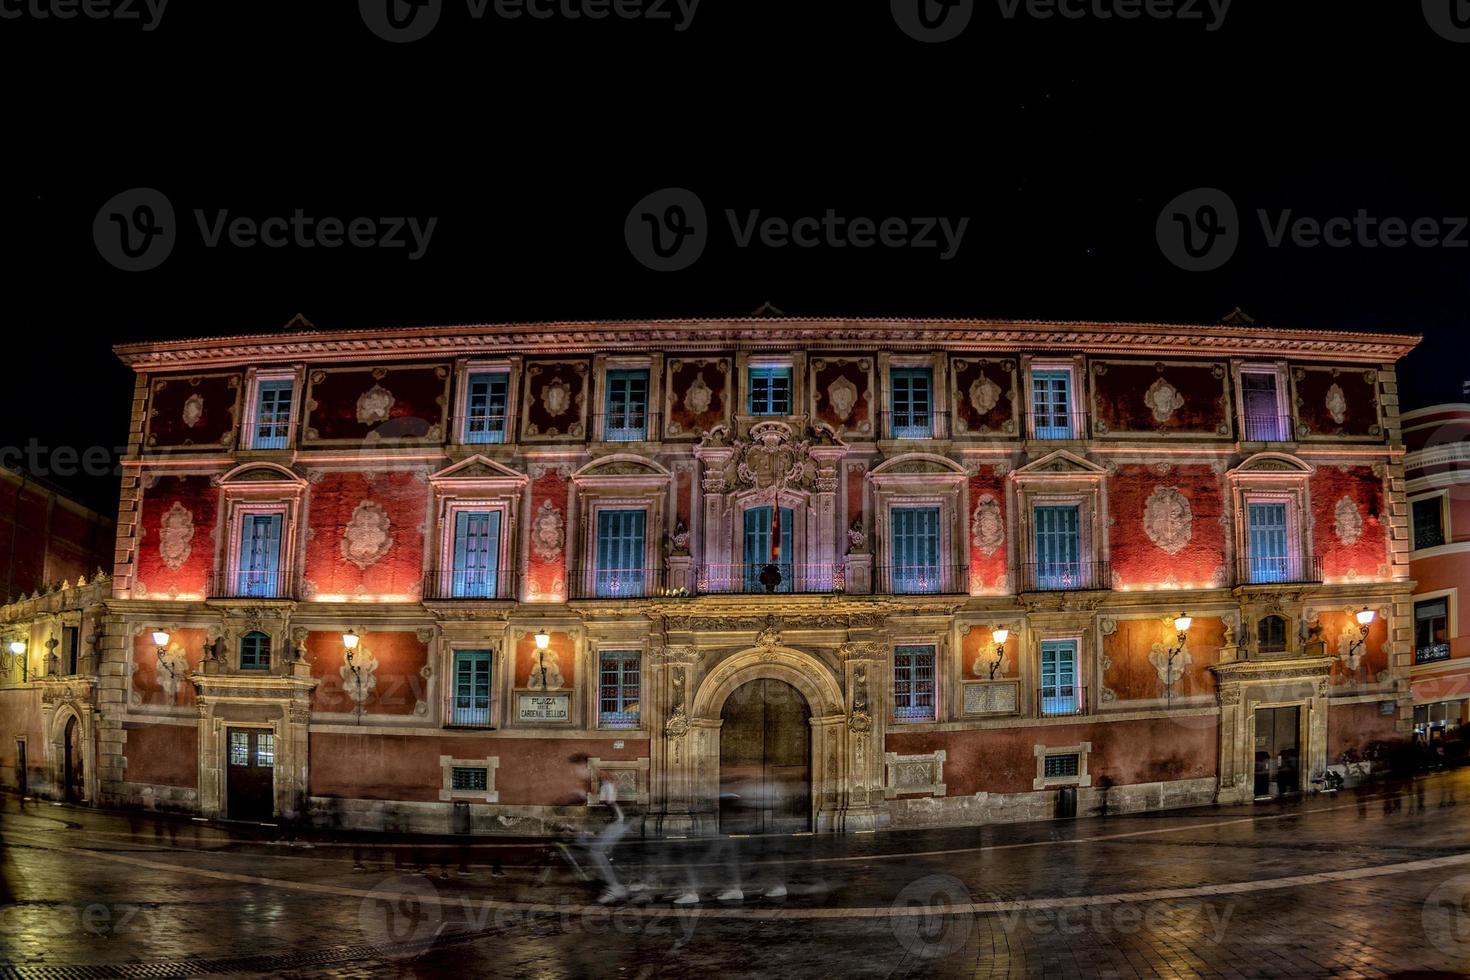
(618, 689)
(911, 394)
(913, 683)
(1272, 634)
(915, 550)
(1431, 630)
(255, 651)
(470, 778)
(1428, 523)
(471, 699)
(1061, 765)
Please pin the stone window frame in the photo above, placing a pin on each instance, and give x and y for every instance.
(796, 361)
(463, 368)
(799, 502)
(936, 759)
(1283, 398)
(448, 793)
(1075, 401)
(595, 648)
(639, 766)
(949, 495)
(941, 647)
(1082, 780)
(1451, 597)
(653, 412)
(238, 510)
(1445, 517)
(498, 669)
(253, 378)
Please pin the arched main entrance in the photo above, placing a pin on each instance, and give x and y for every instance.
(765, 759)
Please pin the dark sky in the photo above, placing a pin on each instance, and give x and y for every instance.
(1061, 140)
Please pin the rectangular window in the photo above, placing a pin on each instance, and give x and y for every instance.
(1058, 532)
(70, 647)
(476, 571)
(913, 403)
(265, 751)
(626, 418)
(1261, 407)
(471, 705)
(239, 748)
(1431, 630)
(255, 651)
(1060, 765)
(259, 571)
(1428, 522)
(272, 414)
(916, 549)
(618, 688)
(770, 390)
(1059, 694)
(913, 683)
(620, 552)
(758, 553)
(485, 406)
(1270, 555)
(472, 779)
(1051, 404)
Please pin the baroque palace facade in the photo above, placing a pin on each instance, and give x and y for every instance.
(768, 574)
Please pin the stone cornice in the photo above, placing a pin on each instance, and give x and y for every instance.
(764, 333)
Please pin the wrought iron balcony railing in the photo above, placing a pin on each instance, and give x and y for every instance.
(1056, 425)
(914, 425)
(1278, 570)
(615, 583)
(785, 578)
(1061, 699)
(470, 583)
(1266, 428)
(252, 585)
(921, 579)
(1066, 576)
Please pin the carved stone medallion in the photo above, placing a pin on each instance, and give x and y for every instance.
(842, 393)
(697, 398)
(1163, 400)
(1168, 520)
(556, 395)
(989, 530)
(1337, 404)
(1347, 521)
(193, 410)
(547, 531)
(175, 536)
(984, 394)
(366, 537)
(375, 405)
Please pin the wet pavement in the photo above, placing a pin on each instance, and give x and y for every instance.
(1372, 883)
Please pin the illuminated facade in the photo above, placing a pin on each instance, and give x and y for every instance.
(720, 553)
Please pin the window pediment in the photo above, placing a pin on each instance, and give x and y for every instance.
(259, 475)
(477, 469)
(1060, 463)
(1270, 466)
(911, 464)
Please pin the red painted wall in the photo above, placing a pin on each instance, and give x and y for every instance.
(45, 538)
(147, 671)
(166, 755)
(1359, 392)
(1132, 676)
(715, 373)
(1355, 726)
(201, 500)
(826, 372)
(527, 659)
(539, 422)
(1120, 393)
(418, 411)
(988, 573)
(171, 423)
(400, 684)
(1001, 419)
(400, 571)
(1138, 563)
(546, 577)
(1366, 557)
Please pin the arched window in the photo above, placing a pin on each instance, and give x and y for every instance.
(255, 651)
(1272, 634)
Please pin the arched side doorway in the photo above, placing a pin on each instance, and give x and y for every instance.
(72, 786)
(765, 760)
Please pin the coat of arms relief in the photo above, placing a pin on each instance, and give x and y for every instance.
(989, 530)
(175, 536)
(770, 458)
(1168, 519)
(547, 531)
(375, 405)
(366, 537)
(1163, 400)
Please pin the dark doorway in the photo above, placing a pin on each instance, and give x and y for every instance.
(1278, 751)
(251, 758)
(22, 783)
(71, 765)
(765, 760)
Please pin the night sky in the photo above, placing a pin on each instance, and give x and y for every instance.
(529, 141)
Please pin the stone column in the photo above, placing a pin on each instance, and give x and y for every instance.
(863, 806)
(671, 738)
(826, 543)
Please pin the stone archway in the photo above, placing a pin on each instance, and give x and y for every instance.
(71, 755)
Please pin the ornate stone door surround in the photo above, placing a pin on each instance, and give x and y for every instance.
(1246, 685)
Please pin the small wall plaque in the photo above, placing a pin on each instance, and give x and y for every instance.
(544, 708)
(992, 697)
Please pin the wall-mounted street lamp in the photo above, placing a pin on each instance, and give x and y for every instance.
(1365, 617)
(160, 643)
(350, 639)
(543, 640)
(18, 650)
(1181, 630)
(1000, 635)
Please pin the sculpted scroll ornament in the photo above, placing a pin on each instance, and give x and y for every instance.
(375, 405)
(547, 531)
(984, 394)
(842, 394)
(175, 536)
(1168, 520)
(1337, 404)
(366, 537)
(989, 531)
(557, 397)
(193, 410)
(1348, 521)
(554, 679)
(697, 398)
(1163, 399)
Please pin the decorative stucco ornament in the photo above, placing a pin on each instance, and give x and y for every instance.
(843, 395)
(989, 530)
(1337, 404)
(366, 537)
(175, 536)
(984, 394)
(552, 663)
(771, 457)
(1163, 399)
(360, 679)
(697, 398)
(556, 395)
(374, 405)
(547, 531)
(1159, 657)
(173, 672)
(1168, 519)
(1348, 521)
(193, 410)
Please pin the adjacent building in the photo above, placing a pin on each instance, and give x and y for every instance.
(769, 574)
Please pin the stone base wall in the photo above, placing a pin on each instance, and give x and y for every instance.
(393, 816)
(983, 808)
(153, 796)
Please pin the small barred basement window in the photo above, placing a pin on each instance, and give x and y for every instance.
(1060, 765)
(469, 778)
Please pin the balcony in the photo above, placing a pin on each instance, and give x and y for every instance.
(1074, 576)
(1048, 426)
(1266, 428)
(1279, 570)
(783, 578)
(914, 425)
(470, 584)
(922, 579)
(1062, 699)
(251, 585)
(633, 425)
(619, 583)
(1432, 653)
